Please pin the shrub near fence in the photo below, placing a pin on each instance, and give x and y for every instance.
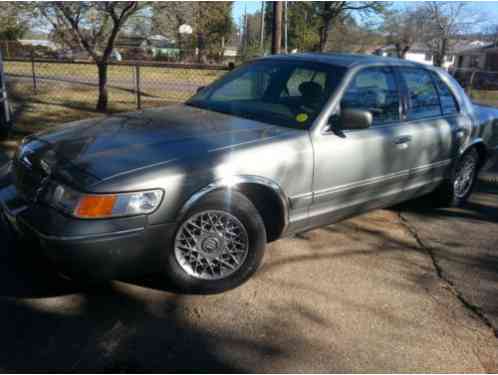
(130, 85)
(481, 86)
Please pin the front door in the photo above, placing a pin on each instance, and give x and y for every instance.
(362, 169)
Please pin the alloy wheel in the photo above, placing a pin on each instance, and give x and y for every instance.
(211, 245)
(465, 175)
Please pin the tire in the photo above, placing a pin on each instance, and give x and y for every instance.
(448, 194)
(8, 235)
(244, 226)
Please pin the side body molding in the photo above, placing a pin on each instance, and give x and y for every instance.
(234, 182)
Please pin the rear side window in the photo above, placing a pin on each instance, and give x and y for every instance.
(448, 101)
(423, 97)
(375, 90)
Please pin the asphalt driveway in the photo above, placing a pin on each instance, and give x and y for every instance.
(406, 289)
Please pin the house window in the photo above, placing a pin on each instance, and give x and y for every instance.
(474, 61)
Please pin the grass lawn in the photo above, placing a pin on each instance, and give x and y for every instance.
(54, 104)
(115, 72)
(488, 97)
(59, 100)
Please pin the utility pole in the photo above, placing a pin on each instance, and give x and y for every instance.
(285, 28)
(276, 28)
(262, 31)
(244, 34)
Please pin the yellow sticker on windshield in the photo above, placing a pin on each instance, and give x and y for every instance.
(302, 117)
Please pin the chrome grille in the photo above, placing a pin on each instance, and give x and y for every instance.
(28, 180)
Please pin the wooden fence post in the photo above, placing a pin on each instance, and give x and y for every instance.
(471, 84)
(137, 86)
(33, 71)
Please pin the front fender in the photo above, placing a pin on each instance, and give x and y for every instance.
(235, 182)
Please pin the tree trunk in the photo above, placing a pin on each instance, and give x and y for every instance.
(324, 30)
(441, 53)
(201, 46)
(401, 51)
(103, 95)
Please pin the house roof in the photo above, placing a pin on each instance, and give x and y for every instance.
(474, 49)
(129, 41)
(455, 47)
(38, 42)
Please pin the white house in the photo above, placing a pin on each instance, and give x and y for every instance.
(418, 52)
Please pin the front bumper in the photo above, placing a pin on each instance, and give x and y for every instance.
(96, 249)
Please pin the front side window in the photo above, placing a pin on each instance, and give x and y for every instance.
(423, 97)
(448, 101)
(375, 90)
(283, 93)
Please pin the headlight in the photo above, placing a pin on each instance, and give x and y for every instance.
(99, 206)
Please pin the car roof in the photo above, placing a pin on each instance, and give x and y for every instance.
(347, 60)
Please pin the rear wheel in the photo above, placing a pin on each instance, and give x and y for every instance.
(455, 191)
(218, 245)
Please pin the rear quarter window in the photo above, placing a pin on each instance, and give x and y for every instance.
(448, 102)
(423, 96)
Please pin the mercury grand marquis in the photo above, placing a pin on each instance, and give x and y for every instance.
(277, 146)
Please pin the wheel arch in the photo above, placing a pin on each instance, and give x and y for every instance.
(479, 145)
(266, 195)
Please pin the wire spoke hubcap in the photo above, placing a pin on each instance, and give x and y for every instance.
(465, 176)
(211, 245)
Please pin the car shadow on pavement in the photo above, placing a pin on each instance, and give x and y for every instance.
(464, 244)
(48, 322)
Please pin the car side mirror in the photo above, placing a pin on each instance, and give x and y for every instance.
(199, 89)
(353, 119)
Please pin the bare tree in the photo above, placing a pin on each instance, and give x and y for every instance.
(94, 26)
(442, 21)
(168, 16)
(211, 22)
(331, 12)
(402, 29)
(14, 21)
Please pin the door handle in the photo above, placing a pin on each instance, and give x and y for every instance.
(460, 133)
(403, 139)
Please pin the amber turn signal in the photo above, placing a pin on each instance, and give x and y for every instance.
(96, 206)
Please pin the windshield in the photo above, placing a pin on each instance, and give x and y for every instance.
(283, 93)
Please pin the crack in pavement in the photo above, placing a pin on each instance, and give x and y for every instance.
(474, 309)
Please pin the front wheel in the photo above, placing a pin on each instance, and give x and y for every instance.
(218, 245)
(455, 191)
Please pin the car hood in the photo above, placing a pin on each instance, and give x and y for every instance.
(110, 146)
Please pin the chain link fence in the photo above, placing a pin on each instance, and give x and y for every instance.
(130, 86)
(480, 85)
(43, 74)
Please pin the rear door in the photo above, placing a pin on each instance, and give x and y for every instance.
(431, 132)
